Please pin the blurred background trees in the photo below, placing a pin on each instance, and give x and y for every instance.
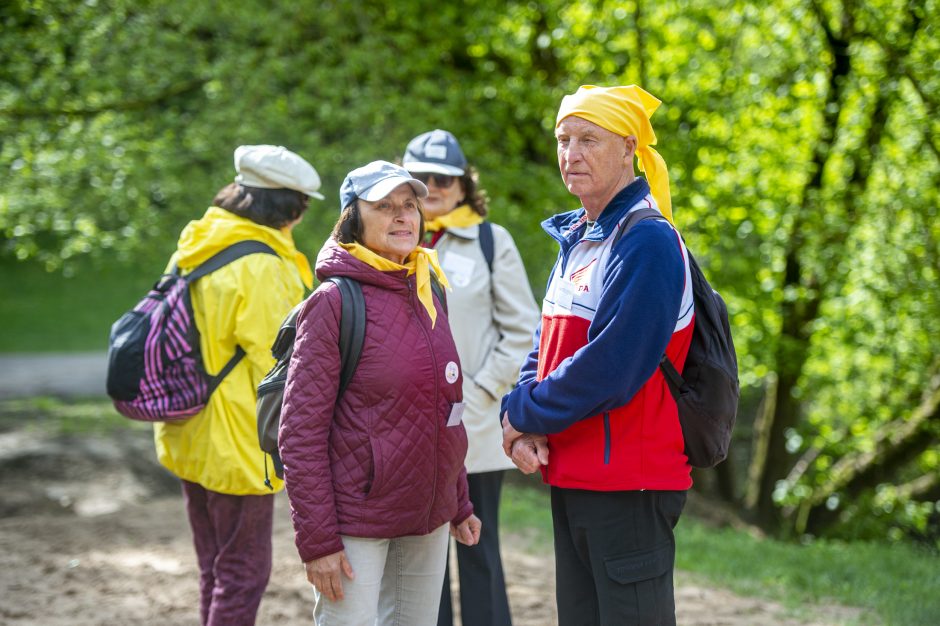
(801, 136)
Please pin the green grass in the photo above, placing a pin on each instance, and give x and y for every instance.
(47, 312)
(525, 511)
(93, 416)
(897, 582)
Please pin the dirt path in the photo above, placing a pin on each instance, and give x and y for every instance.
(93, 532)
(136, 566)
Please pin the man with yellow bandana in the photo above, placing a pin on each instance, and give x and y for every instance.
(591, 408)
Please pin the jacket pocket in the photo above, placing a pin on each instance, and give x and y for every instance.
(641, 584)
(375, 475)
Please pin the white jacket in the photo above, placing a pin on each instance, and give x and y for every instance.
(493, 320)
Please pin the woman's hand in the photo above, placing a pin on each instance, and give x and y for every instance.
(324, 573)
(467, 532)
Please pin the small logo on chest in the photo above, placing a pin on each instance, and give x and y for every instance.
(581, 277)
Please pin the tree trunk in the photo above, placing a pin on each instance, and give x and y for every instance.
(797, 312)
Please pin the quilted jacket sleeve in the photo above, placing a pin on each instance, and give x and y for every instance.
(464, 506)
(306, 419)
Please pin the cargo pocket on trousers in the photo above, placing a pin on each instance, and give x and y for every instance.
(643, 583)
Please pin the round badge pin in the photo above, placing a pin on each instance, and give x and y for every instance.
(451, 372)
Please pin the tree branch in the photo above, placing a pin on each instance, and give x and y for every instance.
(856, 467)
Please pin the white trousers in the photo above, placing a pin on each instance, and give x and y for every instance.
(397, 582)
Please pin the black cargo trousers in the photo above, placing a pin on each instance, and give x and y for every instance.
(614, 556)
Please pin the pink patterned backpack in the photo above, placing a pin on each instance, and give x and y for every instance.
(155, 369)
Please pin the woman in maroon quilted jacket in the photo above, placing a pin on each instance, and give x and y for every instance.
(376, 477)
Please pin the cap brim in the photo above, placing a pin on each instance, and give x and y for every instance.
(314, 194)
(433, 168)
(385, 186)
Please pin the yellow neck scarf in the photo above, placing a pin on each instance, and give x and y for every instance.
(461, 217)
(420, 262)
(625, 111)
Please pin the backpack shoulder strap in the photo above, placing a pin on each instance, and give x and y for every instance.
(438, 290)
(226, 256)
(673, 378)
(487, 246)
(352, 328)
(633, 217)
(217, 261)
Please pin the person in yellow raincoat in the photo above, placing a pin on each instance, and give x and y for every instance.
(215, 453)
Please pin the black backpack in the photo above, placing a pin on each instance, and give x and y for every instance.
(155, 368)
(352, 331)
(706, 392)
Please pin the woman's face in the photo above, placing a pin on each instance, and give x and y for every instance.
(444, 193)
(390, 225)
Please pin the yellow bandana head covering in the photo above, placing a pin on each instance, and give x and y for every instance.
(625, 111)
(419, 262)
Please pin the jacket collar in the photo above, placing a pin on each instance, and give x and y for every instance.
(567, 228)
(468, 232)
(333, 260)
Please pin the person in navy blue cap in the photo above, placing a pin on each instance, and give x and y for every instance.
(493, 315)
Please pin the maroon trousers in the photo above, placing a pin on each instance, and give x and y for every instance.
(232, 535)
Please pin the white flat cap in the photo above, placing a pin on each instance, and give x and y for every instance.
(275, 167)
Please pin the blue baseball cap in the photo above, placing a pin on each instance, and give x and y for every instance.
(437, 152)
(375, 181)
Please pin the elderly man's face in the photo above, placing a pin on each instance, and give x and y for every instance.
(594, 162)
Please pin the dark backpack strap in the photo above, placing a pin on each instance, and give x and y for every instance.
(352, 328)
(226, 256)
(217, 261)
(487, 246)
(232, 362)
(673, 378)
(438, 289)
(633, 217)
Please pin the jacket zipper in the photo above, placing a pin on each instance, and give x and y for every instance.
(413, 296)
(606, 437)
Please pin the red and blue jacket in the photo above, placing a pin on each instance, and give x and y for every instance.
(613, 307)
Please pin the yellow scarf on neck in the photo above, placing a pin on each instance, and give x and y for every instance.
(461, 217)
(420, 262)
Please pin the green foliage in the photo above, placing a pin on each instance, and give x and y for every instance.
(811, 201)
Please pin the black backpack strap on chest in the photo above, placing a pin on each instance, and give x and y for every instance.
(632, 218)
(352, 328)
(487, 245)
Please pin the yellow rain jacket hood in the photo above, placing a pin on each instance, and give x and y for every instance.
(241, 304)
